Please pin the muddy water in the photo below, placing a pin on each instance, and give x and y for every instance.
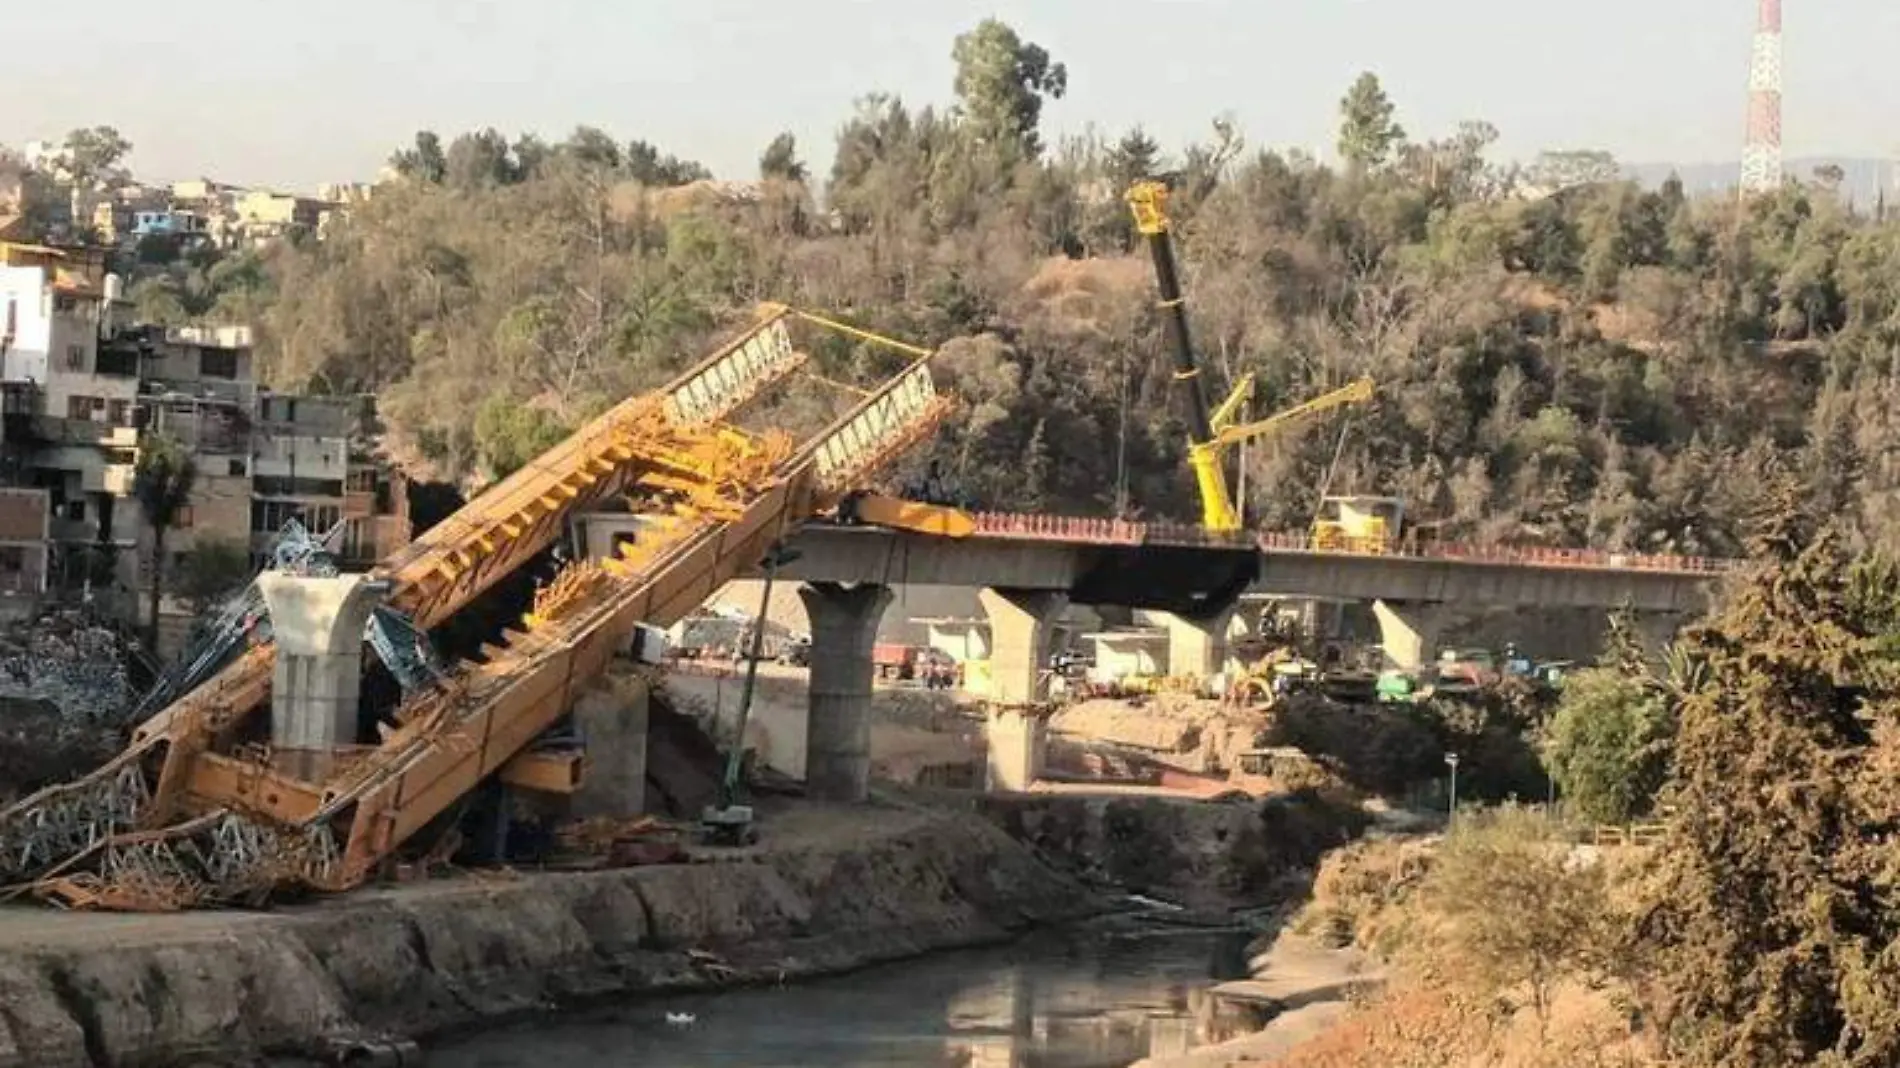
(1086, 999)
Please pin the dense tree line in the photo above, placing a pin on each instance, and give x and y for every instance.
(1563, 358)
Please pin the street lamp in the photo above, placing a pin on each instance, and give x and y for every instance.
(1451, 813)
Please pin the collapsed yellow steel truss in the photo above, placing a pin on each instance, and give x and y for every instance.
(187, 815)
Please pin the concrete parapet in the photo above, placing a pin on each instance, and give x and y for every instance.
(844, 621)
(317, 624)
(1019, 641)
(1018, 746)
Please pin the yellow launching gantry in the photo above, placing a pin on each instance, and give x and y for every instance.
(1212, 434)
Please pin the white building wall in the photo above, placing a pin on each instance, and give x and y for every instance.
(71, 362)
(25, 303)
(281, 455)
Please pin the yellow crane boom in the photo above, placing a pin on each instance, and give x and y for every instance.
(1211, 435)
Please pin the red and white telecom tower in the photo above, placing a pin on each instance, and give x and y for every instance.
(1761, 156)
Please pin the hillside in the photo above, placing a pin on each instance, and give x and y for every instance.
(1614, 366)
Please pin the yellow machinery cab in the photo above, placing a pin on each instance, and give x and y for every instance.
(1358, 524)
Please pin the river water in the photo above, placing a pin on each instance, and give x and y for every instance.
(1077, 999)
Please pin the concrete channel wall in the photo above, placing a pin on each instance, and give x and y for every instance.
(105, 991)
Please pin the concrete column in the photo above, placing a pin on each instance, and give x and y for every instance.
(1018, 745)
(1408, 633)
(844, 621)
(612, 721)
(1197, 646)
(318, 626)
(1019, 641)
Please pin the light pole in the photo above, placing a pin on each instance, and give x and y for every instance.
(1451, 812)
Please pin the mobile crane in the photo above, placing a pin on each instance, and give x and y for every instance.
(1211, 434)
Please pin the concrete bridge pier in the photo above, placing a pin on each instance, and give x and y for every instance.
(1020, 633)
(1018, 748)
(1409, 633)
(844, 622)
(318, 675)
(1198, 645)
(1018, 732)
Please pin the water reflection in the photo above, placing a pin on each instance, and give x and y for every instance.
(1082, 1000)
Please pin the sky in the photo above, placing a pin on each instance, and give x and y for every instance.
(267, 92)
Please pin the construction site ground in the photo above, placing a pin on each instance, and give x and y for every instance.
(913, 730)
(937, 737)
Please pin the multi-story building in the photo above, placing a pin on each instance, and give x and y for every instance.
(82, 391)
(71, 399)
(203, 194)
(261, 215)
(25, 521)
(263, 459)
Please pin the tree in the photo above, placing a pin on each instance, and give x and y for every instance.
(645, 164)
(1770, 912)
(1367, 131)
(593, 146)
(1001, 83)
(162, 481)
(477, 160)
(531, 155)
(510, 434)
(209, 572)
(1134, 157)
(1609, 744)
(89, 161)
(424, 161)
(1514, 916)
(780, 160)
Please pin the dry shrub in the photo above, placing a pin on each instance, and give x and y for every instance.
(1511, 910)
(1360, 890)
(1419, 1025)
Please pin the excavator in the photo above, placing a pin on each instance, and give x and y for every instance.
(1212, 433)
(211, 803)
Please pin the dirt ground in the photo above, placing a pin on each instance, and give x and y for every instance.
(1192, 733)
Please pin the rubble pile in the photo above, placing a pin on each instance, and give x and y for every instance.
(65, 658)
(63, 690)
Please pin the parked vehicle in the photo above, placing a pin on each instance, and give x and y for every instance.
(895, 660)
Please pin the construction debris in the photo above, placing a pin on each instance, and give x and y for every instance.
(67, 658)
(610, 842)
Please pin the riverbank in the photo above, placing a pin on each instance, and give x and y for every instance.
(828, 890)
(1304, 987)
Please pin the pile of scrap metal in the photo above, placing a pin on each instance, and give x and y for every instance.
(613, 842)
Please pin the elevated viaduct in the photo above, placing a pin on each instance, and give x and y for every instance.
(1041, 562)
(1027, 568)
